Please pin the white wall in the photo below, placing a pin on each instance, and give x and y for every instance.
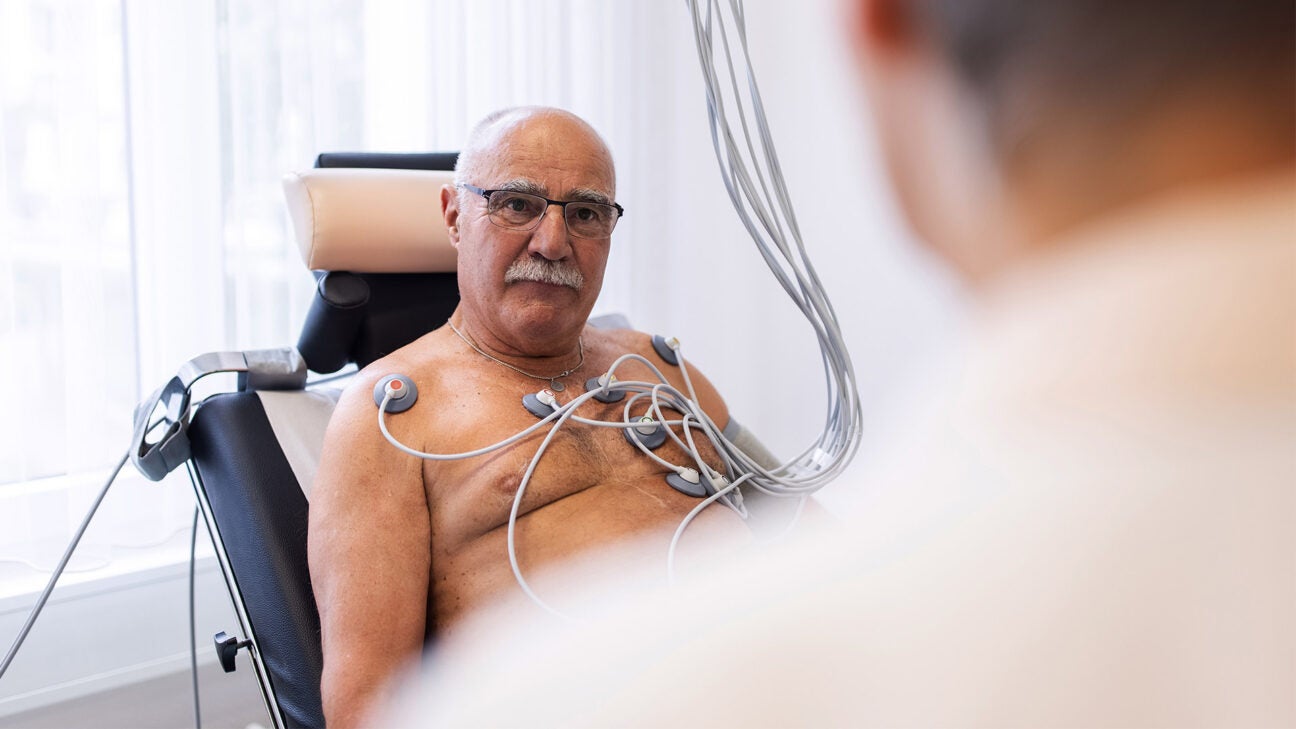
(100, 634)
(693, 271)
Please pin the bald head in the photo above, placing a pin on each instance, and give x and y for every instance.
(493, 135)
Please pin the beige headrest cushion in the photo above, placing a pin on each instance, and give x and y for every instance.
(370, 221)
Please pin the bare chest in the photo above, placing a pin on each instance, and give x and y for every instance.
(473, 496)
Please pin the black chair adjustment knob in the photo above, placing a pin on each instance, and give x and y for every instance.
(227, 647)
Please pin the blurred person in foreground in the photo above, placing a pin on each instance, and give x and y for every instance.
(1091, 521)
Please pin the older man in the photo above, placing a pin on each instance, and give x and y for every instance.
(1091, 522)
(400, 547)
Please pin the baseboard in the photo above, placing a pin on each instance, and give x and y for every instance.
(105, 634)
(83, 686)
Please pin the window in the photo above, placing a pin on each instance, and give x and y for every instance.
(66, 318)
(141, 217)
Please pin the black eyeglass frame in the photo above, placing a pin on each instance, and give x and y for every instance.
(620, 211)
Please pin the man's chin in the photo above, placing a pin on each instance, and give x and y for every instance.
(543, 309)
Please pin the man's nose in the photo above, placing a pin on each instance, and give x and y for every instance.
(550, 238)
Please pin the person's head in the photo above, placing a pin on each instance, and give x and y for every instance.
(1006, 122)
(531, 288)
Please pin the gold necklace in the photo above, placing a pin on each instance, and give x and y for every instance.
(554, 384)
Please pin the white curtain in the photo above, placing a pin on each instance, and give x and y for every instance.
(141, 221)
(141, 147)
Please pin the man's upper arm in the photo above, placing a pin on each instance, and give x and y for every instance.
(369, 551)
(708, 398)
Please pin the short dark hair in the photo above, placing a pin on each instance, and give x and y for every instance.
(1117, 55)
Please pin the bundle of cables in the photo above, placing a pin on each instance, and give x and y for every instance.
(754, 180)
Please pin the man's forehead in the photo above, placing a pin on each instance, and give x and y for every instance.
(555, 177)
(592, 193)
(554, 156)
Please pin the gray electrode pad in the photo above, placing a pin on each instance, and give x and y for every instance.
(404, 393)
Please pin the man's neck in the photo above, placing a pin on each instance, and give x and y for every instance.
(534, 355)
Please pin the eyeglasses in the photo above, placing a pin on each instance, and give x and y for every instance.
(522, 211)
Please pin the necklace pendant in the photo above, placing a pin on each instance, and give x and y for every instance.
(556, 386)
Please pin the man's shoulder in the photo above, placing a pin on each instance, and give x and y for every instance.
(420, 361)
(429, 352)
(612, 343)
(617, 332)
(631, 340)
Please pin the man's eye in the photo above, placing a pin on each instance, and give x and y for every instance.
(516, 204)
(584, 213)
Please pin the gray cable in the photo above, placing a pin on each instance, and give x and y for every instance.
(753, 177)
(193, 627)
(58, 570)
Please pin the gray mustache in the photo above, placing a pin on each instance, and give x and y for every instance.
(542, 270)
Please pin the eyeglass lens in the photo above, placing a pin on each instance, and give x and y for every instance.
(521, 211)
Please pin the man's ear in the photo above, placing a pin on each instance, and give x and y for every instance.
(450, 211)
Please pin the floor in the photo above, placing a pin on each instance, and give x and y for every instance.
(228, 701)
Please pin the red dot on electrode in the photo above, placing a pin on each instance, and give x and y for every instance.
(395, 385)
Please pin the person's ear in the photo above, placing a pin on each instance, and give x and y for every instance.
(881, 26)
(450, 211)
(934, 150)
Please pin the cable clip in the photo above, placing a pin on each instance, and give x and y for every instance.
(541, 404)
(605, 385)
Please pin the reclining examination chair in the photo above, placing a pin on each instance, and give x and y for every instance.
(252, 454)
(370, 226)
